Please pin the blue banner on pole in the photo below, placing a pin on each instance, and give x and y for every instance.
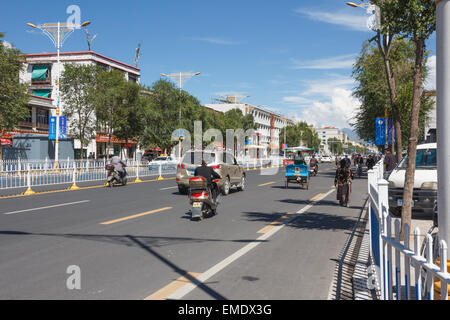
(380, 134)
(52, 128)
(62, 128)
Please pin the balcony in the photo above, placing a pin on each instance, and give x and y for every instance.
(25, 124)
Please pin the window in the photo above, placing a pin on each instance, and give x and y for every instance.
(45, 93)
(41, 73)
(132, 78)
(42, 116)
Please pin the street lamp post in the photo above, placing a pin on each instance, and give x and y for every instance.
(180, 78)
(58, 34)
(443, 115)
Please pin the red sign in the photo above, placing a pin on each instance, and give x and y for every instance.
(5, 142)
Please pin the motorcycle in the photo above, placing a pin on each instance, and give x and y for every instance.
(200, 198)
(313, 169)
(114, 177)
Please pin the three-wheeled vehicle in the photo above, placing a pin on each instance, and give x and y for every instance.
(297, 170)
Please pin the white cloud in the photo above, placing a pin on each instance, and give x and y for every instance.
(217, 41)
(339, 62)
(326, 102)
(6, 44)
(336, 112)
(430, 82)
(351, 21)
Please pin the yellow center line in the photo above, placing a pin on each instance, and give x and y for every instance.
(274, 224)
(172, 287)
(316, 197)
(135, 216)
(266, 184)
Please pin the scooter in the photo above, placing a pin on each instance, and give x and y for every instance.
(200, 198)
(114, 177)
(313, 170)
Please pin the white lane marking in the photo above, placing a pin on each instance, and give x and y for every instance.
(230, 259)
(168, 188)
(48, 207)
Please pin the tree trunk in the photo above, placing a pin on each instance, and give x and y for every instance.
(413, 136)
(394, 109)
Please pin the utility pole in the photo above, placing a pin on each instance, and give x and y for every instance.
(443, 115)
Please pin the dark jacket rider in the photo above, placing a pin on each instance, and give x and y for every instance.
(209, 174)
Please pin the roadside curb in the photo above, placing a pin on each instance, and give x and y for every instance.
(360, 276)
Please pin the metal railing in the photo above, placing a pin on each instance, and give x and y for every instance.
(402, 272)
(27, 174)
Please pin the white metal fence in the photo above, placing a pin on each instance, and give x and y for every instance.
(403, 272)
(27, 174)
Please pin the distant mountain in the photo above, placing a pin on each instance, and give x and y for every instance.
(352, 135)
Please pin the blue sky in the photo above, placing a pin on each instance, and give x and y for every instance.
(294, 57)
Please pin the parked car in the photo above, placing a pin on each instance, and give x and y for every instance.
(425, 181)
(164, 162)
(326, 159)
(224, 163)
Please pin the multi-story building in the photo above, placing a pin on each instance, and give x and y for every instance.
(327, 133)
(41, 72)
(269, 125)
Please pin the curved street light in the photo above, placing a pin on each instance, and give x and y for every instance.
(58, 33)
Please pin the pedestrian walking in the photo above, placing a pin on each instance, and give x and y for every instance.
(390, 162)
(343, 183)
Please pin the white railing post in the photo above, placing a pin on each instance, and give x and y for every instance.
(137, 172)
(160, 177)
(398, 279)
(407, 261)
(383, 212)
(417, 267)
(29, 191)
(430, 278)
(74, 177)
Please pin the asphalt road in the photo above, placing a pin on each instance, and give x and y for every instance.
(138, 241)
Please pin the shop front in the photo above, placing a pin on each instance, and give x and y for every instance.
(109, 145)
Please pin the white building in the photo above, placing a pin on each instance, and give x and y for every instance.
(41, 73)
(269, 125)
(327, 133)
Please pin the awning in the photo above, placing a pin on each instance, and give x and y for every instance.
(39, 73)
(45, 93)
(5, 142)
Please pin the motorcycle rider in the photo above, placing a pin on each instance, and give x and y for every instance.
(209, 174)
(313, 163)
(119, 165)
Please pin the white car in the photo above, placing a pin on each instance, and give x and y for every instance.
(326, 159)
(425, 181)
(164, 162)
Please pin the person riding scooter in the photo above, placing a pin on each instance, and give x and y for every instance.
(313, 163)
(119, 165)
(209, 174)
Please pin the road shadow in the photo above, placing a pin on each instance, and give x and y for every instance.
(147, 244)
(307, 221)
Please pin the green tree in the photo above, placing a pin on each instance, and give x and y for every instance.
(373, 92)
(78, 93)
(13, 94)
(335, 146)
(416, 20)
(300, 132)
(109, 101)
